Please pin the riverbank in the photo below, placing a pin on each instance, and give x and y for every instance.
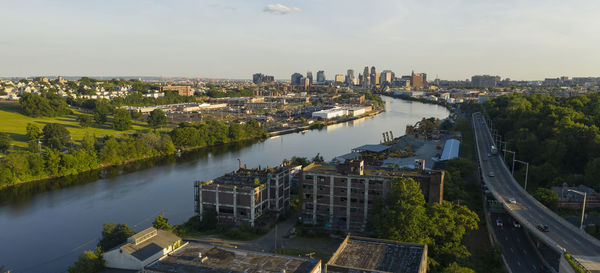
(180, 150)
(422, 100)
(324, 124)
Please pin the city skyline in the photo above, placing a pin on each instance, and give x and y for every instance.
(521, 40)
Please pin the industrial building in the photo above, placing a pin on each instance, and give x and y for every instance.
(330, 113)
(245, 195)
(205, 258)
(451, 149)
(359, 254)
(341, 195)
(142, 249)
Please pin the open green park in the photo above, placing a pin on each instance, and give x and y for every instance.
(14, 122)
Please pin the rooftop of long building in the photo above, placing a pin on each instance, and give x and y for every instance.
(204, 258)
(248, 177)
(383, 255)
(331, 169)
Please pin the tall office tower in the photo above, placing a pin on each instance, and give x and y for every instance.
(387, 76)
(321, 76)
(309, 76)
(339, 78)
(366, 78)
(373, 76)
(296, 79)
(350, 77)
(259, 78)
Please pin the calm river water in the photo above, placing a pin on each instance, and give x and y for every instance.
(44, 226)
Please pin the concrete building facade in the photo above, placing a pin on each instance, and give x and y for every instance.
(341, 195)
(243, 196)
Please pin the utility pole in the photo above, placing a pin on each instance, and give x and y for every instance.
(526, 171)
(583, 208)
(513, 163)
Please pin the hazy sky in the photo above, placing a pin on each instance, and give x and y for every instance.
(453, 39)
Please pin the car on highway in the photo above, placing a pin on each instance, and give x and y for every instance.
(512, 200)
(543, 228)
(499, 222)
(516, 224)
(491, 174)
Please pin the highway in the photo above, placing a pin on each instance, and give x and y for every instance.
(520, 254)
(529, 212)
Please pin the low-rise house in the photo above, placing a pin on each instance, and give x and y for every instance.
(142, 249)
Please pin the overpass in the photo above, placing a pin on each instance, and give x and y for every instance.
(562, 235)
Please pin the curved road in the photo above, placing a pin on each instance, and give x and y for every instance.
(562, 235)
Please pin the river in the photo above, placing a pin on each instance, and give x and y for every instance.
(44, 226)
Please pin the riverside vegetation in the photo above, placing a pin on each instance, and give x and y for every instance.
(51, 151)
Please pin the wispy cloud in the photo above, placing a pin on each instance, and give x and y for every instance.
(281, 9)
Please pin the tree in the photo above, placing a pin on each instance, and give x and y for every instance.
(157, 118)
(114, 235)
(403, 213)
(35, 105)
(84, 121)
(121, 120)
(455, 268)
(161, 222)
(4, 142)
(101, 111)
(89, 142)
(56, 135)
(33, 131)
(88, 262)
(547, 197)
(136, 114)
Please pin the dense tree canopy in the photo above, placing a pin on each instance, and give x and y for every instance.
(4, 142)
(559, 137)
(88, 262)
(405, 216)
(114, 235)
(157, 118)
(56, 135)
(122, 120)
(48, 104)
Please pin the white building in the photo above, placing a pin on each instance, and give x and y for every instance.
(142, 249)
(330, 113)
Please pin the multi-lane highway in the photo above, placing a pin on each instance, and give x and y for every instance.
(561, 235)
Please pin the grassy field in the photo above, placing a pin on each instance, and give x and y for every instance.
(14, 122)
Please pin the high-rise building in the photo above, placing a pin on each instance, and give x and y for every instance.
(320, 76)
(350, 77)
(418, 80)
(387, 76)
(339, 78)
(309, 76)
(259, 78)
(373, 76)
(296, 79)
(484, 81)
(366, 79)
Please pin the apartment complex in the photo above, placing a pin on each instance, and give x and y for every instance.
(359, 254)
(182, 90)
(245, 195)
(341, 195)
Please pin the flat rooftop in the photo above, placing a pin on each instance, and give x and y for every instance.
(204, 258)
(368, 254)
(330, 169)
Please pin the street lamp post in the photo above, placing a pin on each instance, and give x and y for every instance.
(503, 150)
(513, 163)
(583, 207)
(526, 171)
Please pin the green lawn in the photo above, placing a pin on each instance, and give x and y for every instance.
(13, 122)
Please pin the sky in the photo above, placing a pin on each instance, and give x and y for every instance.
(447, 39)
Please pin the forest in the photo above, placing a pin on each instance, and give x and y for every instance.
(558, 136)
